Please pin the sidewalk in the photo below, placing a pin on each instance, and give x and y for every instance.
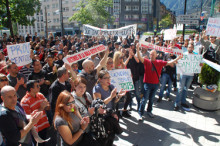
(194, 128)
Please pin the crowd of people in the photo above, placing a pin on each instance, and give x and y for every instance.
(77, 104)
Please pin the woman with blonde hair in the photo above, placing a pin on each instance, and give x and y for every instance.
(68, 121)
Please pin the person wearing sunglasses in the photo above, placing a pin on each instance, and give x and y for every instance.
(211, 50)
(3, 82)
(68, 122)
(34, 100)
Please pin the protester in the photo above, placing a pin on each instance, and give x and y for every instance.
(35, 101)
(14, 126)
(153, 69)
(68, 121)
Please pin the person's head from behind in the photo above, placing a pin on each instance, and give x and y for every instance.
(104, 78)
(62, 74)
(80, 86)
(3, 80)
(33, 86)
(65, 105)
(88, 66)
(9, 97)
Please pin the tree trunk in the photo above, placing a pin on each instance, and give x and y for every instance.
(9, 18)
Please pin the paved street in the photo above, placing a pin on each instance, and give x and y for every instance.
(169, 127)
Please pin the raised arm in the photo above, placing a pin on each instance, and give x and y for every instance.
(171, 63)
(102, 63)
(138, 53)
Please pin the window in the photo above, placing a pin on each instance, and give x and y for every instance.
(48, 6)
(135, 0)
(48, 14)
(127, 8)
(135, 17)
(127, 17)
(66, 9)
(53, 5)
(127, 0)
(135, 8)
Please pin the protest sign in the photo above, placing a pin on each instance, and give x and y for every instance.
(189, 64)
(212, 64)
(84, 54)
(19, 53)
(145, 44)
(213, 27)
(169, 34)
(121, 79)
(123, 31)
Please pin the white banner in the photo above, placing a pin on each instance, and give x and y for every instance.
(123, 31)
(169, 34)
(121, 79)
(189, 64)
(84, 54)
(213, 27)
(19, 54)
(212, 64)
(145, 44)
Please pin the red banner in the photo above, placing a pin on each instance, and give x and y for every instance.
(84, 54)
(159, 48)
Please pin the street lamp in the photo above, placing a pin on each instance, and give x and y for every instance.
(61, 17)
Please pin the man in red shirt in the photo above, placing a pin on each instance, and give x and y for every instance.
(152, 73)
(34, 100)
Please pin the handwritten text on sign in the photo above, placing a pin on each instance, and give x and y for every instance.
(123, 31)
(145, 44)
(19, 53)
(84, 54)
(213, 27)
(121, 79)
(189, 64)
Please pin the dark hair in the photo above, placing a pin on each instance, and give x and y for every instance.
(102, 73)
(61, 71)
(9, 65)
(35, 61)
(30, 84)
(76, 83)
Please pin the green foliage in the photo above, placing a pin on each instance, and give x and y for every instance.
(165, 22)
(19, 10)
(187, 31)
(209, 75)
(93, 12)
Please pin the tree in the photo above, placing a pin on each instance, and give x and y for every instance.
(166, 21)
(93, 12)
(16, 11)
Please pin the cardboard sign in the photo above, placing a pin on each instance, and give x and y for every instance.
(169, 34)
(84, 54)
(213, 27)
(159, 48)
(121, 79)
(189, 64)
(123, 31)
(19, 54)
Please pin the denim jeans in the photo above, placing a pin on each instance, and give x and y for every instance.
(141, 84)
(136, 92)
(164, 79)
(185, 82)
(149, 93)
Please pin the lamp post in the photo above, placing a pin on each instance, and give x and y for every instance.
(61, 17)
(184, 14)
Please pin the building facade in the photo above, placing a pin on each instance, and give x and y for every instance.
(50, 11)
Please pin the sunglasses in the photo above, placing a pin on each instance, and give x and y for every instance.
(69, 103)
(3, 80)
(106, 78)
